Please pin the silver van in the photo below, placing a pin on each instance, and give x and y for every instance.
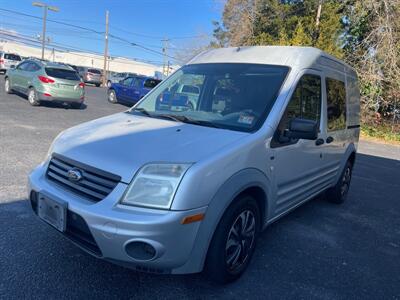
(7, 60)
(189, 186)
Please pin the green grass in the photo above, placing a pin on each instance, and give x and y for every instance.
(381, 132)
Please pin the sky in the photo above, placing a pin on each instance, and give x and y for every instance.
(187, 23)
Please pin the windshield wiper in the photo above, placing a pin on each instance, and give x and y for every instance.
(142, 110)
(184, 119)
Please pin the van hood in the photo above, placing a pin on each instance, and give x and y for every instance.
(123, 143)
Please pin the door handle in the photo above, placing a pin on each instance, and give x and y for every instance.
(319, 142)
(329, 139)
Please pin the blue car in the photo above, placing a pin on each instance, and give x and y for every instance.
(131, 89)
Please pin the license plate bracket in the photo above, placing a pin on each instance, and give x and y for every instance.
(53, 212)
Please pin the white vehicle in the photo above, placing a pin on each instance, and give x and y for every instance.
(7, 60)
(164, 190)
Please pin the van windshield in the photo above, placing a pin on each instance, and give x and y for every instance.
(231, 96)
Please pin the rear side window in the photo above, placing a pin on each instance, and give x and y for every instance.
(336, 99)
(94, 71)
(12, 57)
(62, 73)
(191, 89)
(151, 83)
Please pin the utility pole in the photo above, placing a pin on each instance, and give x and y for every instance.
(318, 14)
(105, 52)
(45, 8)
(165, 51)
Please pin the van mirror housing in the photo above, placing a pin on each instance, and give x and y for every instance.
(302, 129)
(12, 67)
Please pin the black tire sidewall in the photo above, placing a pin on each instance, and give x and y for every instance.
(216, 267)
(36, 102)
(334, 194)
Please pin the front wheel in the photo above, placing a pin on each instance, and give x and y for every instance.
(338, 193)
(33, 98)
(7, 86)
(112, 96)
(234, 241)
(109, 84)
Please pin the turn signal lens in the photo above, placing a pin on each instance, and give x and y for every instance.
(45, 79)
(192, 219)
(82, 85)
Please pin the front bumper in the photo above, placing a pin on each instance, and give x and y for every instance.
(113, 227)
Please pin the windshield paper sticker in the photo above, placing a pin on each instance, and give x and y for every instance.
(246, 119)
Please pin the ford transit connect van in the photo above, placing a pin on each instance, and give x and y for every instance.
(188, 186)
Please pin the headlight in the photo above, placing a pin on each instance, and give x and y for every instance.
(155, 185)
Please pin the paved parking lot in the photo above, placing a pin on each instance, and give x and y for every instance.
(320, 251)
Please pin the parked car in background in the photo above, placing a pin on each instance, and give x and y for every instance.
(131, 89)
(117, 77)
(45, 81)
(7, 60)
(90, 75)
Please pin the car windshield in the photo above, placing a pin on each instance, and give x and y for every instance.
(233, 96)
(62, 74)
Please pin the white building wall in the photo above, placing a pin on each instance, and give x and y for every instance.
(82, 59)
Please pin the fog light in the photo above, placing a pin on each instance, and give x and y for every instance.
(139, 250)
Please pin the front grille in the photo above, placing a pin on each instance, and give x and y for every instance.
(94, 185)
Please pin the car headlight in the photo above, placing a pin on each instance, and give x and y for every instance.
(155, 185)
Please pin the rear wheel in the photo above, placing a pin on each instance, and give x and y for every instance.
(112, 96)
(97, 84)
(234, 241)
(7, 86)
(33, 98)
(338, 193)
(75, 105)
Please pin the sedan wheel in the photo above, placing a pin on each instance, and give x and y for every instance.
(109, 84)
(112, 97)
(7, 87)
(32, 97)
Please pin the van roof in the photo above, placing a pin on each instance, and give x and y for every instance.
(292, 56)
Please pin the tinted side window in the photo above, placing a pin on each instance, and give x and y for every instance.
(128, 81)
(151, 83)
(305, 104)
(23, 66)
(336, 99)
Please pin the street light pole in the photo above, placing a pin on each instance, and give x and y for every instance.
(45, 8)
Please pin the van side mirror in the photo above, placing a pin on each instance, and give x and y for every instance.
(302, 129)
(12, 67)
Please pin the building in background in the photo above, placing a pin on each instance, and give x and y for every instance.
(115, 64)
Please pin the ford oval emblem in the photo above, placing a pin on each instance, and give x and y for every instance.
(74, 175)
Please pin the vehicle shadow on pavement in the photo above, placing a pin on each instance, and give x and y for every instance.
(320, 250)
(51, 104)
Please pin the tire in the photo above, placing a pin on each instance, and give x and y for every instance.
(338, 193)
(33, 98)
(112, 96)
(97, 84)
(76, 105)
(228, 258)
(7, 86)
(109, 83)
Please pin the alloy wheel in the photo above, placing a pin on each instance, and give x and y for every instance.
(7, 86)
(240, 240)
(32, 97)
(345, 182)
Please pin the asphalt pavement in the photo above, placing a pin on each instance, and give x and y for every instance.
(319, 251)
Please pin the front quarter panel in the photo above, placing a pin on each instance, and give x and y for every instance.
(225, 195)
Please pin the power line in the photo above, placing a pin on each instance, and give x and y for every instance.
(70, 48)
(91, 30)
